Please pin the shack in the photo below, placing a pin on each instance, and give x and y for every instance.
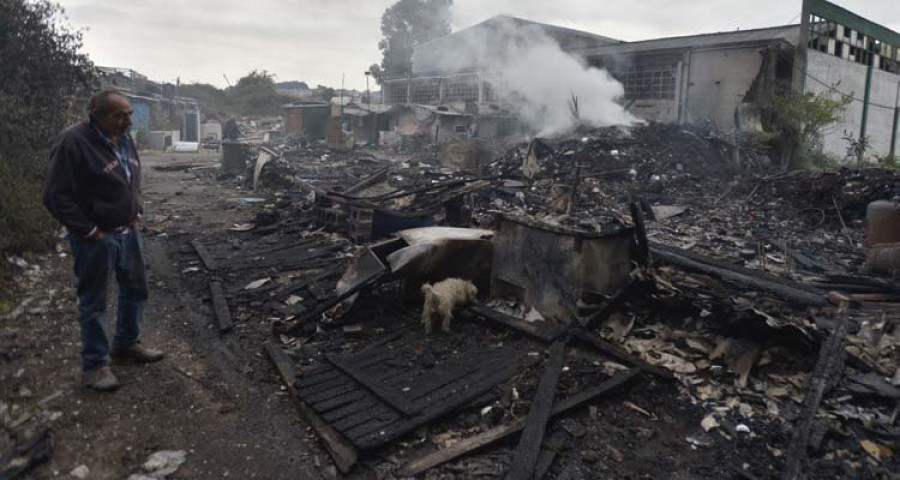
(307, 117)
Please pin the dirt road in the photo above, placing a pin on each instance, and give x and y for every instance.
(214, 396)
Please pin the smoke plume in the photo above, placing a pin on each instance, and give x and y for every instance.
(531, 74)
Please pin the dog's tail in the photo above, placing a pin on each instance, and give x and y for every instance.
(427, 288)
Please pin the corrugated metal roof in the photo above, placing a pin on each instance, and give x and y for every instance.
(520, 22)
(442, 110)
(306, 104)
(789, 34)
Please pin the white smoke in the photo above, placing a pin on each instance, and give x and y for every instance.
(531, 74)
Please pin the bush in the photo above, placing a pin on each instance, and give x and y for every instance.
(25, 224)
(798, 121)
(44, 80)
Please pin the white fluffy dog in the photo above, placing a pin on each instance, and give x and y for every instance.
(442, 297)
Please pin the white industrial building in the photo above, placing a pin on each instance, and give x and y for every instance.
(709, 77)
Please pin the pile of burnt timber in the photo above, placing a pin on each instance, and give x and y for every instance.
(651, 309)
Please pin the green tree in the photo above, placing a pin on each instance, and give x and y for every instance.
(325, 93)
(211, 99)
(255, 94)
(799, 121)
(406, 24)
(44, 81)
(377, 73)
(293, 84)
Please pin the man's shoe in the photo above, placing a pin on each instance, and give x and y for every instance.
(136, 353)
(100, 378)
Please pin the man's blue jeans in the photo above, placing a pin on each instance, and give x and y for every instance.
(94, 264)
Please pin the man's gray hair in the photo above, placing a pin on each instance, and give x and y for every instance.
(99, 103)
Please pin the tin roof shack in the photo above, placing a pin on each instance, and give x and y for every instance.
(307, 117)
(450, 124)
(364, 122)
(157, 107)
(553, 268)
(211, 130)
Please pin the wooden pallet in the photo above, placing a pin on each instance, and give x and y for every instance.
(378, 395)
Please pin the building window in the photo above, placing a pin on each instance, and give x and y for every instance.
(460, 129)
(852, 45)
(397, 91)
(648, 82)
(426, 90)
(461, 89)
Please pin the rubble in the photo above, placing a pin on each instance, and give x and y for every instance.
(26, 436)
(683, 294)
(160, 465)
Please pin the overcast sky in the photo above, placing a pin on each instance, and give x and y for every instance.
(319, 40)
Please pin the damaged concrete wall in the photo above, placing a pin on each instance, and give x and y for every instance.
(825, 70)
(719, 79)
(451, 127)
(655, 110)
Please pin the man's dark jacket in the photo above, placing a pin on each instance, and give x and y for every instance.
(87, 186)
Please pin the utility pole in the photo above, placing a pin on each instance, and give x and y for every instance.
(894, 132)
(368, 99)
(369, 104)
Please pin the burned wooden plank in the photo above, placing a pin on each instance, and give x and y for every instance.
(809, 263)
(308, 243)
(327, 305)
(204, 255)
(538, 415)
(741, 277)
(549, 450)
(341, 400)
(621, 354)
(539, 330)
(445, 400)
(448, 376)
(220, 306)
(32, 449)
(615, 303)
(321, 387)
(351, 408)
(317, 370)
(641, 251)
(370, 359)
(825, 375)
(283, 261)
(289, 289)
(379, 413)
(392, 340)
(309, 380)
(377, 388)
(341, 451)
(330, 393)
(496, 434)
(366, 182)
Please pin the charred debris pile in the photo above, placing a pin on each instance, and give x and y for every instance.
(653, 302)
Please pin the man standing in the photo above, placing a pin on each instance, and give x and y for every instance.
(93, 189)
